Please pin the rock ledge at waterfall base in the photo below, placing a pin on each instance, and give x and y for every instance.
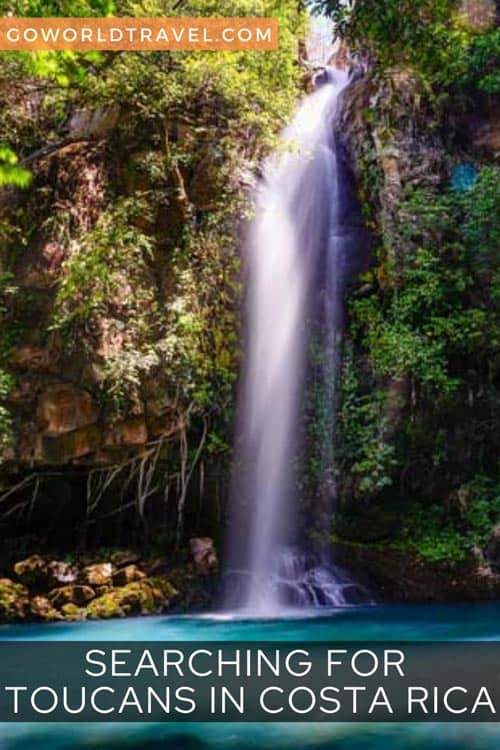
(400, 577)
(107, 584)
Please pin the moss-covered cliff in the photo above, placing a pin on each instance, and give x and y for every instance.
(120, 222)
(419, 420)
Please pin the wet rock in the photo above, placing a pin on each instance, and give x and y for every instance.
(123, 557)
(71, 594)
(204, 555)
(129, 574)
(42, 609)
(14, 601)
(64, 408)
(98, 574)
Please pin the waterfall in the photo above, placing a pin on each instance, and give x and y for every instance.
(295, 279)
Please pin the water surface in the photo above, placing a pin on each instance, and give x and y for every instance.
(462, 622)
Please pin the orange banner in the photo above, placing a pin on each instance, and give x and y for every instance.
(85, 34)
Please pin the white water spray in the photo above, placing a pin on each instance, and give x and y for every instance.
(294, 277)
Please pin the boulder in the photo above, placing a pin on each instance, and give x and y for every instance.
(148, 596)
(71, 594)
(164, 593)
(33, 571)
(37, 571)
(62, 572)
(129, 574)
(134, 598)
(204, 555)
(42, 609)
(14, 601)
(99, 574)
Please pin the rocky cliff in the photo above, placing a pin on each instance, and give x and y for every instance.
(120, 280)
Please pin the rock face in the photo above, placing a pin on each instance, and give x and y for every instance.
(64, 408)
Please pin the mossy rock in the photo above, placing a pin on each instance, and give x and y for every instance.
(144, 597)
(71, 595)
(73, 613)
(33, 571)
(134, 598)
(42, 609)
(163, 591)
(14, 601)
(105, 607)
(98, 574)
(128, 574)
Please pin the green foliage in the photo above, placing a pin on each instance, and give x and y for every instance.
(105, 271)
(10, 171)
(481, 228)
(484, 62)
(6, 385)
(426, 35)
(363, 445)
(431, 37)
(440, 532)
(64, 66)
(148, 289)
(123, 374)
(202, 341)
(443, 305)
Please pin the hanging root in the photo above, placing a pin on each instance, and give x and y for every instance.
(132, 482)
(187, 475)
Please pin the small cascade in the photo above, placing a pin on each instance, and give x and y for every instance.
(296, 259)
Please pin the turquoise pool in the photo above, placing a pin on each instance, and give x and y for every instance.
(467, 622)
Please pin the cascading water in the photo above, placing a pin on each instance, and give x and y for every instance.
(295, 276)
